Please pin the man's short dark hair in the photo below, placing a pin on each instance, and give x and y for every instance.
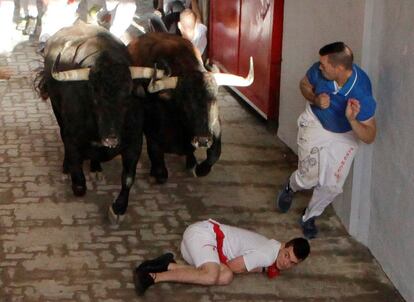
(338, 54)
(301, 247)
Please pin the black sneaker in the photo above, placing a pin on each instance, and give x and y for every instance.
(157, 265)
(284, 198)
(309, 228)
(142, 280)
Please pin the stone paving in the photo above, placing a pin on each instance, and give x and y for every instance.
(57, 247)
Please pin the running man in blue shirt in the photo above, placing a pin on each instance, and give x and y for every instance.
(338, 116)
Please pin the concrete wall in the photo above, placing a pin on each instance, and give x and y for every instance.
(376, 206)
(391, 230)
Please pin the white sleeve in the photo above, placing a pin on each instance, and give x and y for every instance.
(256, 259)
(201, 39)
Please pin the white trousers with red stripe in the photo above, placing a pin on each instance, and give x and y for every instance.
(325, 159)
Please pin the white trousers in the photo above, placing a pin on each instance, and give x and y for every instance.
(325, 159)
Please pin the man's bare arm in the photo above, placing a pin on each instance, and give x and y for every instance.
(307, 89)
(238, 266)
(366, 130)
(322, 100)
(196, 10)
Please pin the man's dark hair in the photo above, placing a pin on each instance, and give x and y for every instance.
(301, 247)
(338, 54)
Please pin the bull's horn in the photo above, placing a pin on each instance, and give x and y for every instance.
(233, 80)
(145, 72)
(166, 83)
(81, 74)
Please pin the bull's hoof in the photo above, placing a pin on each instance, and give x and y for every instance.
(115, 219)
(97, 176)
(202, 170)
(160, 175)
(79, 190)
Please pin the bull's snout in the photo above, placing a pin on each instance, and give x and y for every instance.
(202, 141)
(110, 141)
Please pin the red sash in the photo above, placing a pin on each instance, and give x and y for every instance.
(219, 238)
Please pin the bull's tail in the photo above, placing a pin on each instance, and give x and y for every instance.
(40, 84)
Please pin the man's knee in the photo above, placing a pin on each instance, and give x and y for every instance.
(226, 277)
(211, 273)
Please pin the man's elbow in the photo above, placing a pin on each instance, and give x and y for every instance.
(369, 139)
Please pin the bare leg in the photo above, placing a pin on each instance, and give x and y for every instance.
(208, 274)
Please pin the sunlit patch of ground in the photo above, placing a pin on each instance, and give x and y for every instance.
(59, 14)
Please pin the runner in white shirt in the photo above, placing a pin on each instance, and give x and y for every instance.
(191, 29)
(214, 252)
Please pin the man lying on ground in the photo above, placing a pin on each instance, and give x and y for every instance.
(215, 252)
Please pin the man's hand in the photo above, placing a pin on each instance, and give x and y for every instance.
(322, 101)
(352, 109)
(365, 130)
(158, 13)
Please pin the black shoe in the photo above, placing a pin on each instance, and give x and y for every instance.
(157, 265)
(309, 228)
(142, 280)
(284, 198)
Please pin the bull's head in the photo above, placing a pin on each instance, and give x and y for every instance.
(110, 86)
(197, 92)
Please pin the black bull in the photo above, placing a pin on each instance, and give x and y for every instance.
(88, 77)
(181, 111)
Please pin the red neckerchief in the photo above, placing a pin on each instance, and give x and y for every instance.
(273, 271)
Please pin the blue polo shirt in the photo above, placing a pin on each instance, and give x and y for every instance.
(358, 87)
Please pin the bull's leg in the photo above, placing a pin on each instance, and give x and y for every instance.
(130, 159)
(56, 101)
(95, 170)
(213, 154)
(74, 161)
(95, 166)
(156, 155)
(190, 160)
(65, 166)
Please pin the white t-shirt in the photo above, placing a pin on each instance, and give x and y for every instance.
(200, 37)
(257, 250)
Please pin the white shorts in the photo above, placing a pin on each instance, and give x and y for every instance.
(199, 244)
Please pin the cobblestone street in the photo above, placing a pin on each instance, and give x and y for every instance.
(58, 247)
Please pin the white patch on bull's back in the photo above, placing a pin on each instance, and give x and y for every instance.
(213, 121)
